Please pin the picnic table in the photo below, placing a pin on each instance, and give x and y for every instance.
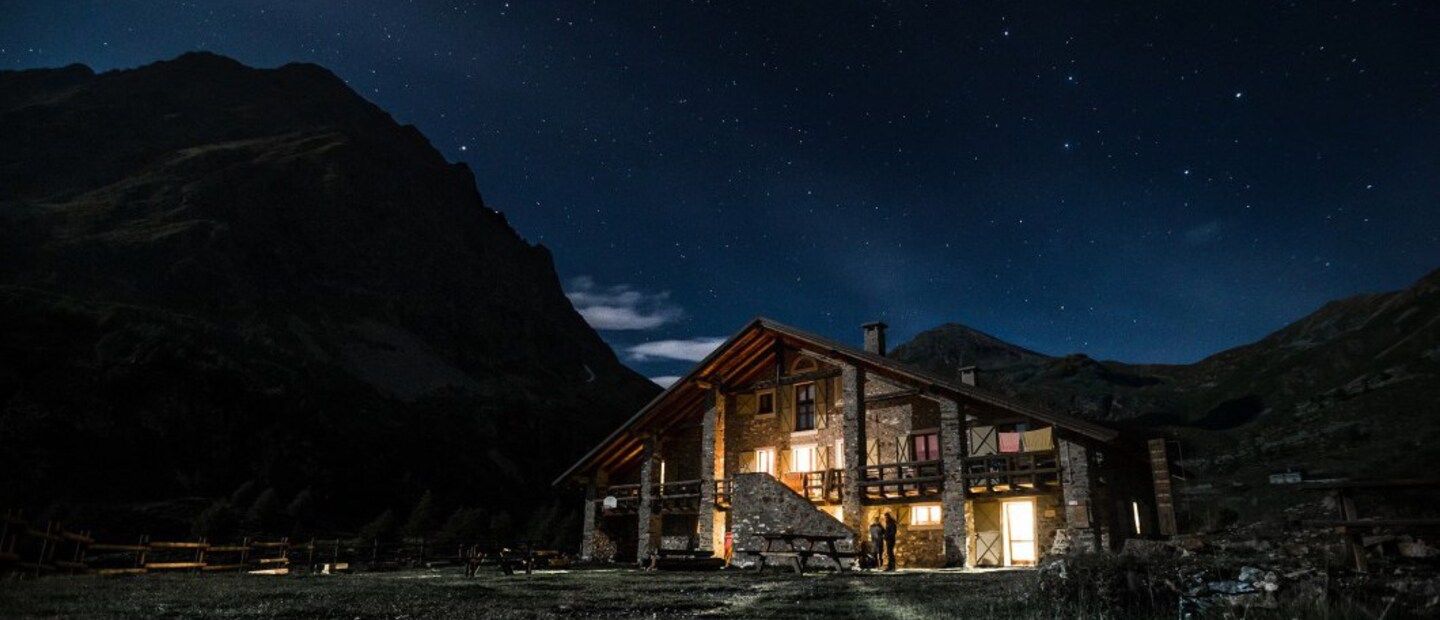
(799, 548)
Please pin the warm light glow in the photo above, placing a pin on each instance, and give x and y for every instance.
(804, 459)
(765, 461)
(1135, 509)
(925, 514)
(1020, 531)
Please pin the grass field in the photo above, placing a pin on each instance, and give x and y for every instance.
(551, 594)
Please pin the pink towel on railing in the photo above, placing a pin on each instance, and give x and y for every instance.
(1009, 442)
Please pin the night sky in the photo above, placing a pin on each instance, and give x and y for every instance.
(1149, 182)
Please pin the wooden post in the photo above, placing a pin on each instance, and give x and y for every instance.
(1353, 539)
(1164, 495)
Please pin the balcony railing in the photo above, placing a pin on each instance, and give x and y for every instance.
(826, 485)
(1019, 472)
(898, 481)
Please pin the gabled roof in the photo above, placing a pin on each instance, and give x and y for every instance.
(742, 353)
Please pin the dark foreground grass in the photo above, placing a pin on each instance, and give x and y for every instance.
(582, 593)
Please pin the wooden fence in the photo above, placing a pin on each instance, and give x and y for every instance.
(27, 550)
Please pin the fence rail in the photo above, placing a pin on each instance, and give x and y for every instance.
(38, 551)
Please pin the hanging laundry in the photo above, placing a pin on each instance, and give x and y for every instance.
(1009, 442)
(1039, 439)
(982, 441)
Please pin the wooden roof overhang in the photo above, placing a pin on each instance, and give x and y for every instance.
(744, 356)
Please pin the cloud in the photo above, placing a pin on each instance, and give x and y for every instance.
(665, 381)
(621, 307)
(691, 350)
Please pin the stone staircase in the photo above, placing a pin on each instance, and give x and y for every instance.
(761, 504)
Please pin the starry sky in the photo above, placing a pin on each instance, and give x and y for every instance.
(1148, 182)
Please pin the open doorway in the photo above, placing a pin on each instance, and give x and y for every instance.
(1019, 532)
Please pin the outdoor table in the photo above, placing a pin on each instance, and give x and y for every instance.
(800, 548)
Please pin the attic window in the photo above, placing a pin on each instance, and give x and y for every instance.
(803, 364)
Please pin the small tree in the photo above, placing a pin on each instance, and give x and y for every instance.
(218, 520)
(383, 526)
(424, 518)
(302, 510)
(465, 525)
(264, 514)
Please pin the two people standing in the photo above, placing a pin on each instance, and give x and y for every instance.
(882, 538)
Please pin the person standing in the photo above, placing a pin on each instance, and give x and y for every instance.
(729, 547)
(877, 542)
(890, 530)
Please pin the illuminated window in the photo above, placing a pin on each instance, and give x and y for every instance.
(925, 514)
(765, 403)
(1135, 510)
(805, 407)
(803, 459)
(765, 461)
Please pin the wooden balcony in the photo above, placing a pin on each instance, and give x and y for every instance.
(678, 497)
(897, 482)
(826, 485)
(1018, 473)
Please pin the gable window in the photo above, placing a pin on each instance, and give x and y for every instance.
(802, 365)
(805, 407)
(765, 403)
(925, 447)
(765, 461)
(922, 515)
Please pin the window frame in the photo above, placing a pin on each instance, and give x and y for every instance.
(774, 457)
(810, 385)
(914, 453)
(928, 509)
(795, 451)
(760, 396)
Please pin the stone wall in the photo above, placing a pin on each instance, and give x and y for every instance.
(746, 430)
(759, 503)
(915, 547)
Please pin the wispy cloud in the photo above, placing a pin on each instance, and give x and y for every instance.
(621, 307)
(691, 350)
(665, 381)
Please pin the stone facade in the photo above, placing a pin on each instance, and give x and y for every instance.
(952, 451)
(761, 504)
(865, 415)
(915, 546)
(1077, 482)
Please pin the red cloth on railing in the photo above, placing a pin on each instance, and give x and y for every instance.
(1009, 442)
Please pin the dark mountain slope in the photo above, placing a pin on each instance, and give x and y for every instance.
(1352, 389)
(212, 274)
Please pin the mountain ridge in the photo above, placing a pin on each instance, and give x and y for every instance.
(244, 275)
(1351, 389)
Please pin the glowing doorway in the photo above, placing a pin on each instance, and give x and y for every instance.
(1019, 532)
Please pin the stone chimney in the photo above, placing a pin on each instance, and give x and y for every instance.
(874, 337)
(967, 375)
